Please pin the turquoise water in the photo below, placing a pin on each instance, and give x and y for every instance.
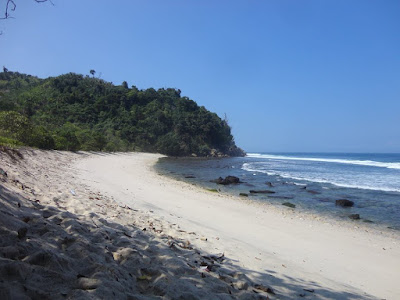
(311, 181)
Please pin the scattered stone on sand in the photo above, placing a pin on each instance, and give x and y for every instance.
(264, 289)
(88, 283)
(241, 285)
(344, 203)
(56, 244)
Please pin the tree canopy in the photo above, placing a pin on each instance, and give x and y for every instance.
(76, 112)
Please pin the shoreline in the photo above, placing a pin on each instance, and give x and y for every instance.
(288, 252)
(331, 249)
(299, 211)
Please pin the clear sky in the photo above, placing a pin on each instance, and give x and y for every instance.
(290, 75)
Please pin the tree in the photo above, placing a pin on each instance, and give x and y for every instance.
(92, 72)
(76, 112)
(15, 126)
(67, 139)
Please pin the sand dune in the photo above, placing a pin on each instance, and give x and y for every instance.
(107, 226)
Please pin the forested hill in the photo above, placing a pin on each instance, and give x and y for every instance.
(76, 112)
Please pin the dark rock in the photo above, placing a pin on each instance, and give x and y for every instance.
(249, 184)
(190, 176)
(264, 288)
(228, 180)
(236, 151)
(313, 192)
(243, 195)
(324, 200)
(288, 204)
(269, 184)
(281, 197)
(218, 180)
(368, 221)
(47, 213)
(354, 216)
(344, 203)
(261, 192)
(22, 232)
(231, 179)
(10, 252)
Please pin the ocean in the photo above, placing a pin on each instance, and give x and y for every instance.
(311, 181)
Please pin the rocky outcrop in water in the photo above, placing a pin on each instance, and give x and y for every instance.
(344, 203)
(261, 192)
(354, 216)
(227, 180)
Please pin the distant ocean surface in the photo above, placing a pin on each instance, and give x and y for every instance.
(311, 181)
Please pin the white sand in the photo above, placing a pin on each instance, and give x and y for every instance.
(276, 247)
(297, 249)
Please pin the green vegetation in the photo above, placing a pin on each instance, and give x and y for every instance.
(76, 112)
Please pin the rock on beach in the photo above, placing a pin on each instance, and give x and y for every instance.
(344, 203)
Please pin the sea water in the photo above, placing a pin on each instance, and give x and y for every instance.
(311, 181)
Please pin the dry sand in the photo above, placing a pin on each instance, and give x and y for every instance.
(107, 226)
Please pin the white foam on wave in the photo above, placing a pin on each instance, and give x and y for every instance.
(369, 163)
(247, 167)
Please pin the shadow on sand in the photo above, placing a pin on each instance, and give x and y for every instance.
(47, 252)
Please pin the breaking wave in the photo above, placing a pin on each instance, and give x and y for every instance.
(370, 163)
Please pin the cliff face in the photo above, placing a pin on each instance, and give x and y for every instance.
(76, 112)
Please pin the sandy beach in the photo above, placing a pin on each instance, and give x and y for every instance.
(103, 226)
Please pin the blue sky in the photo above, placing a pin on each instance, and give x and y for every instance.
(290, 75)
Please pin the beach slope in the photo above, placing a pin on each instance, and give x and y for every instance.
(95, 225)
(290, 250)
